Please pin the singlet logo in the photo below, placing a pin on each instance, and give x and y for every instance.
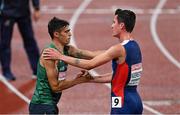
(136, 71)
(61, 68)
(62, 76)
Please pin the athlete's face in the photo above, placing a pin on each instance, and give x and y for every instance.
(116, 27)
(64, 35)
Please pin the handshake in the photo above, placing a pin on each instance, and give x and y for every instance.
(84, 76)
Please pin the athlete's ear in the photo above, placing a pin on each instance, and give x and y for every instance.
(122, 25)
(56, 34)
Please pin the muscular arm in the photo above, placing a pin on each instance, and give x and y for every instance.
(52, 74)
(83, 54)
(113, 52)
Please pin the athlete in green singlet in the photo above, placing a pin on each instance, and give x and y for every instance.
(43, 93)
(51, 74)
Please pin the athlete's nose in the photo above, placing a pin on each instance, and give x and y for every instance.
(70, 34)
(112, 26)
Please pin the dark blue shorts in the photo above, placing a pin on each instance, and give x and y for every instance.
(43, 109)
(132, 103)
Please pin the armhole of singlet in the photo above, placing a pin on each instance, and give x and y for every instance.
(117, 61)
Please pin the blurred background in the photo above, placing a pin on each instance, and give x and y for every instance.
(156, 31)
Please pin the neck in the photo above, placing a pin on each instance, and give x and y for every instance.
(125, 36)
(58, 45)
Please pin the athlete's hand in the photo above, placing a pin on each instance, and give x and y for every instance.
(52, 54)
(84, 76)
(36, 15)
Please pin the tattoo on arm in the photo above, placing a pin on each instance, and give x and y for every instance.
(79, 54)
(77, 61)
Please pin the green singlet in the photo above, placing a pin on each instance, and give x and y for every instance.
(43, 93)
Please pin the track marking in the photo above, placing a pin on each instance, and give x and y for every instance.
(60, 10)
(75, 17)
(13, 89)
(52, 10)
(162, 102)
(156, 37)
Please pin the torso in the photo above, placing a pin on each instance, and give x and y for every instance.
(43, 93)
(126, 77)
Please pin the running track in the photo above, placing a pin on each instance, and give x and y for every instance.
(90, 22)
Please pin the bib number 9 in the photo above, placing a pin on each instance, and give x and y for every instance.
(116, 102)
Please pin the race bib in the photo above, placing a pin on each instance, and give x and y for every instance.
(116, 102)
(136, 71)
(62, 76)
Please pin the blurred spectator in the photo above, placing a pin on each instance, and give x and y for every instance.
(17, 11)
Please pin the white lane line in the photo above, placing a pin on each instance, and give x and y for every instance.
(162, 102)
(75, 17)
(52, 10)
(13, 89)
(72, 25)
(152, 110)
(156, 37)
(60, 10)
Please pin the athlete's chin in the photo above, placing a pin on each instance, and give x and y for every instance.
(114, 35)
(67, 42)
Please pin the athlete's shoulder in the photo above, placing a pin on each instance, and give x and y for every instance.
(117, 50)
(117, 47)
(134, 42)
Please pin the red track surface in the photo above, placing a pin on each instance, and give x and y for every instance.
(160, 80)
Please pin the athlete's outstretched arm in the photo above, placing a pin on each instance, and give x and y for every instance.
(83, 54)
(55, 84)
(113, 52)
(104, 78)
